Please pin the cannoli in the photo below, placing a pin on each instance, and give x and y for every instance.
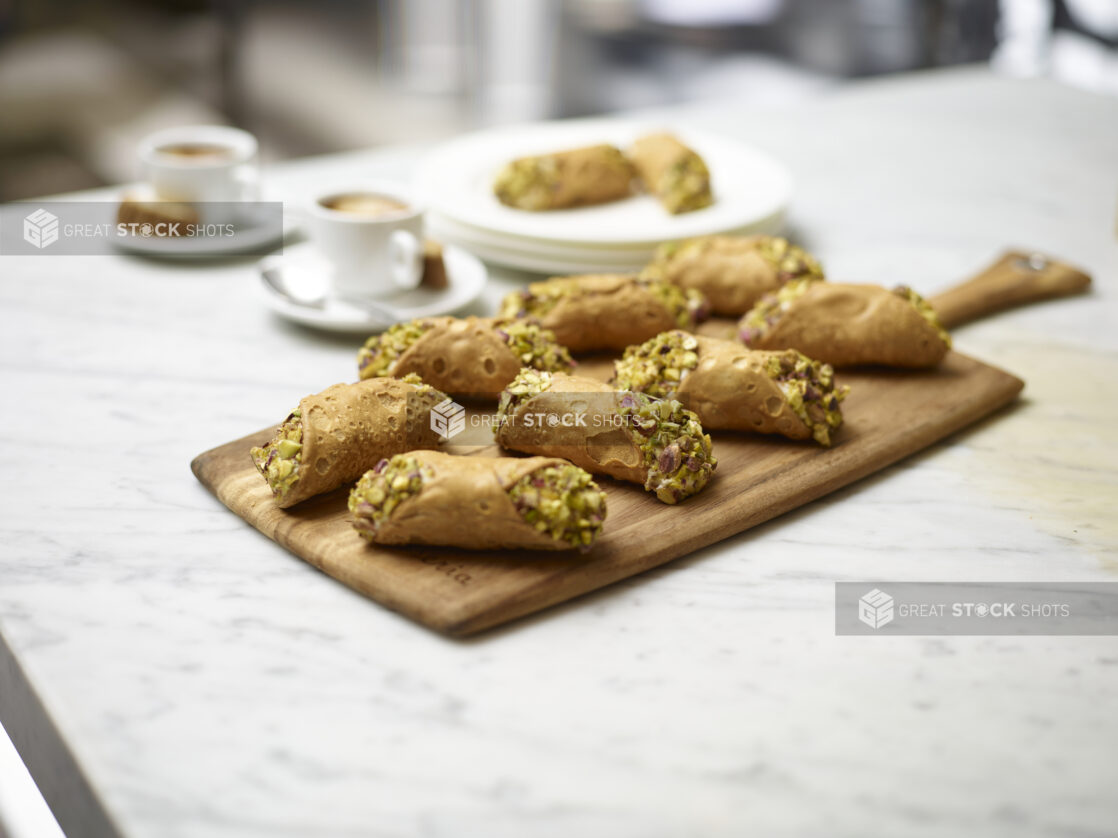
(335, 436)
(475, 357)
(629, 436)
(733, 388)
(672, 172)
(732, 272)
(158, 218)
(579, 177)
(847, 325)
(426, 497)
(606, 311)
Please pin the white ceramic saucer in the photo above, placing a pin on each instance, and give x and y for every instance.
(296, 285)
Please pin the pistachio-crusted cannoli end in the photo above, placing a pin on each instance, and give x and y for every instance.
(514, 305)
(381, 489)
(685, 186)
(528, 382)
(662, 258)
(528, 184)
(538, 299)
(698, 306)
(686, 306)
(763, 316)
(279, 460)
(809, 387)
(659, 365)
(925, 309)
(414, 379)
(534, 346)
(676, 452)
(563, 502)
(654, 271)
(419, 406)
(379, 354)
(790, 261)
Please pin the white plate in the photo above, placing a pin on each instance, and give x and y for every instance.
(307, 274)
(456, 181)
(465, 232)
(548, 258)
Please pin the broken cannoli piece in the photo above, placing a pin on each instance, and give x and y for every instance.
(672, 172)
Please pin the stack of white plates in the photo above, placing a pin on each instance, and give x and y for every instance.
(751, 194)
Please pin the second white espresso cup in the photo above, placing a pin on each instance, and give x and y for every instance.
(371, 234)
(209, 164)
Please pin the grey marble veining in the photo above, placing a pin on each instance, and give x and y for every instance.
(205, 682)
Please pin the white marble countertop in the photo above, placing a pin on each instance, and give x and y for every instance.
(167, 671)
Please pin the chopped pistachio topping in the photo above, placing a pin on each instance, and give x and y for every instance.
(539, 299)
(810, 389)
(685, 186)
(925, 309)
(791, 262)
(380, 490)
(659, 365)
(562, 501)
(675, 450)
(769, 309)
(529, 183)
(686, 306)
(527, 383)
(380, 353)
(535, 346)
(413, 379)
(280, 460)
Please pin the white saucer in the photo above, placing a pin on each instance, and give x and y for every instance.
(303, 271)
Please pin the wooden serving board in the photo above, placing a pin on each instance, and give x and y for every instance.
(889, 415)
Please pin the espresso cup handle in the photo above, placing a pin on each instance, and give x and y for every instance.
(405, 259)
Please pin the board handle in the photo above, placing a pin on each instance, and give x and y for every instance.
(1017, 278)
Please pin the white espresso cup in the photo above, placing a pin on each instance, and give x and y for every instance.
(210, 164)
(371, 234)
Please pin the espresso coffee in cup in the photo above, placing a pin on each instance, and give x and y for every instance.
(197, 152)
(211, 166)
(371, 234)
(367, 204)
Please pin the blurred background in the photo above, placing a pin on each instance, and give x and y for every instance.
(81, 82)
